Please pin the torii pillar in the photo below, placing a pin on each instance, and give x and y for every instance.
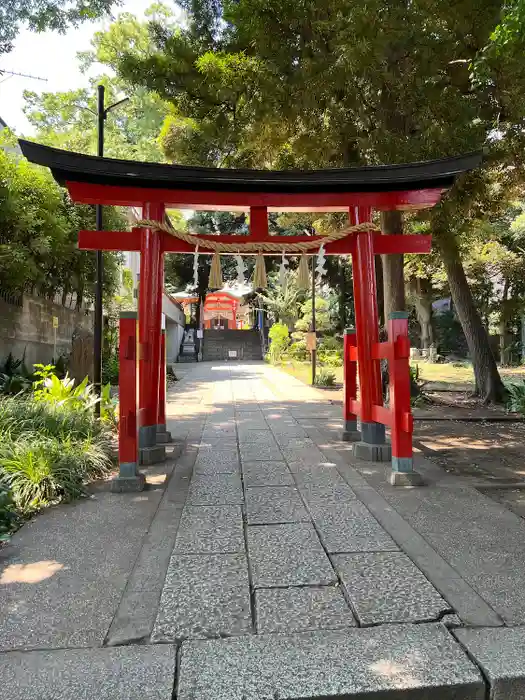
(373, 445)
(150, 321)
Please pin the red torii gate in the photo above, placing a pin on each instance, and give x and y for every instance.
(358, 191)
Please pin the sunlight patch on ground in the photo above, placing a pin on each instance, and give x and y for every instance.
(394, 671)
(30, 573)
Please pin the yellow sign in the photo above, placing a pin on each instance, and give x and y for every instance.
(55, 321)
(311, 341)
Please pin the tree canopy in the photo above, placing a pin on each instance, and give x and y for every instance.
(38, 234)
(40, 15)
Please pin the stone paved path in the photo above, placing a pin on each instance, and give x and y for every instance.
(264, 564)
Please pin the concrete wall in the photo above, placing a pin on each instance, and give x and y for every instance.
(28, 326)
(175, 321)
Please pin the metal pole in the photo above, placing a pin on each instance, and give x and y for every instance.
(314, 351)
(97, 340)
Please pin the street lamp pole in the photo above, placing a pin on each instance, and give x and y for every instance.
(102, 113)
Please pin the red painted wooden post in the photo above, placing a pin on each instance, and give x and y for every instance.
(163, 435)
(258, 223)
(129, 478)
(367, 330)
(401, 413)
(351, 432)
(150, 306)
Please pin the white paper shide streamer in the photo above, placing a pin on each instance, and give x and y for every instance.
(196, 267)
(321, 260)
(283, 270)
(241, 269)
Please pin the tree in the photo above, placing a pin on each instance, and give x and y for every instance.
(40, 15)
(38, 234)
(283, 302)
(68, 120)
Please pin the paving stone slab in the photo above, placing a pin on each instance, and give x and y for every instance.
(286, 610)
(350, 527)
(327, 494)
(253, 452)
(215, 490)
(204, 596)
(413, 662)
(287, 555)
(217, 462)
(266, 474)
(313, 475)
(210, 530)
(117, 673)
(276, 504)
(387, 587)
(500, 653)
(256, 437)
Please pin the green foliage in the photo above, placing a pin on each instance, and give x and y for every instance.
(298, 350)
(449, 334)
(283, 302)
(108, 406)
(325, 377)
(516, 393)
(46, 14)
(66, 120)
(63, 392)
(39, 228)
(279, 342)
(330, 351)
(8, 517)
(322, 316)
(110, 369)
(15, 378)
(48, 451)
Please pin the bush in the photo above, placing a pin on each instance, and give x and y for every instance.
(8, 516)
(298, 351)
(110, 370)
(49, 450)
(15, 378)
(51, 389)
(325, 378)
(330, 352)
(279, 342)
(516, 402)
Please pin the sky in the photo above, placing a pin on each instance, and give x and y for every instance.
(49, 55)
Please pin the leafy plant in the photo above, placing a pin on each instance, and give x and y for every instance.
(278, 335)
(108, 406)
(516, 402)
(14, 376)
(49, 451)
(63, 391)
(325, 378)
(110, 369)
(8, 516)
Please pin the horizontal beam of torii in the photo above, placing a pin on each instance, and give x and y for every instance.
(131, 241)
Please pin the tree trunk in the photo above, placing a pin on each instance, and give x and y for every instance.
(421, 297)
(504, 339)
(393, 277)
(489, 386)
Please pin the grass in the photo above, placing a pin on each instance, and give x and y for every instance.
(48, 452)
(446, 373)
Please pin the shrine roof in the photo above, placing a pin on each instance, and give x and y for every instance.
(69, 167)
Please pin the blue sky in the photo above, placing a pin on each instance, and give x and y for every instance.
(52, 56)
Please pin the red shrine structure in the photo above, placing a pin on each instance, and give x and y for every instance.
(357, 191)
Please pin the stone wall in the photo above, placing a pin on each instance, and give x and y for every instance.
(26, 325)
